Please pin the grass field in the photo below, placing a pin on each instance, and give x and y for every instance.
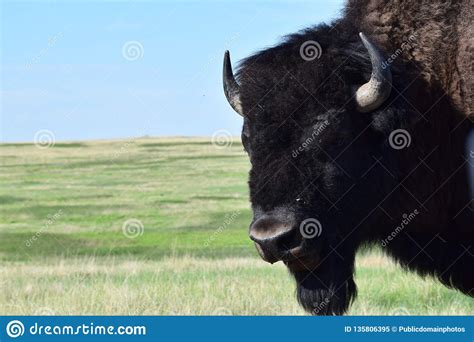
(158, 226)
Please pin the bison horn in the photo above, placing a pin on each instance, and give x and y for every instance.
(372, 94)
(231, 87)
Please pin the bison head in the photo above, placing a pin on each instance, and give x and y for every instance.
(310, 131)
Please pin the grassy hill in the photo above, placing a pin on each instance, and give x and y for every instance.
(157, 226)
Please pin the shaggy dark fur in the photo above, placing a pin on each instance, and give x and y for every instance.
(349, 178)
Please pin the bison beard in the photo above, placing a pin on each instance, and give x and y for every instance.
(329, 289)
(325, 293)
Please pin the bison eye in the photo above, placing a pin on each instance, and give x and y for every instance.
(300, 200)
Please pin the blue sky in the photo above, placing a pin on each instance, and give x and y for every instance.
(63, 67)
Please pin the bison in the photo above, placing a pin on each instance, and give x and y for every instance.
(357, 133)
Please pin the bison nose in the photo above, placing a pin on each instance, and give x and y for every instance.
(271, 237)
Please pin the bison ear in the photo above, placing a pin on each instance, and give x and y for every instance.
(372, 94)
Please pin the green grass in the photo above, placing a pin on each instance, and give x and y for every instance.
(63, 249)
